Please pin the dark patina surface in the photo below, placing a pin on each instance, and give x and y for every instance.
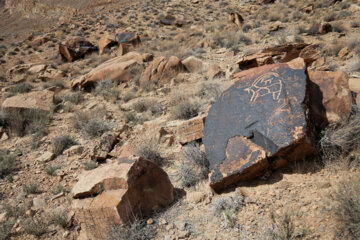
(258, 122)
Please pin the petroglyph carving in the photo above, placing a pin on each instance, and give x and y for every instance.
(268, 83)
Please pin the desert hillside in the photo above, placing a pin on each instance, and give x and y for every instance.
(179, 119)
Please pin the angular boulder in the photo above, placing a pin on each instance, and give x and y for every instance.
(128, 38)
(190, 130)
(193, 64)
(119, 192)
(236, 18)
(115, 69)
(255, 60)
(330, 97)
(257, 123)
(37, 100)
(106, 41)
(161, 69)
(75, 48)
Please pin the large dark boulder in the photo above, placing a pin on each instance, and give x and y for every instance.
(260, 122)
(75, 48)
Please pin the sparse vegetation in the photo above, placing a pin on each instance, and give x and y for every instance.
(128, 96)
(150, 151)
(32, 188)
(75, 98)
(194, 167)
(62, 143)
(60, 219)
(186, 110)
(90, 165)
(227, 208)
(140, 106)
(138, 230)
(5, 229)
(6, 164)
(346, 208)
(35, 227)
(59, 189)
(14, 211)
(283, 227)
(51, 170)
(338, 27)
(106, 89)
(91, 123)
(21, 88)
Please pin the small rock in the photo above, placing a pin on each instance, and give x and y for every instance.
(66, 234)
(2, 216)
(150, 221)
(183, 234)
(46, 157)
(180, 225)
(195, 197)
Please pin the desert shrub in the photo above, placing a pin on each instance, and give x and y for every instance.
(355, 24)
(130, 117)
(138, 230)
(156, 109)
(14, 211)
(5, 229)
(90, 165)
(21, 88)
(274, 17)
(210, 90)
(338, 27)
(246, 28)
(301, 29)
(338, 141)
(244, 39)
(330, 17)
(75, 98)
(35, 227)
(61, 143)
(59, 189)
(194, 166)
(26, 121)
(334, 48)
(140, 106)
(51, 170)
(186, 110)
(6, 164)
(41, 131)
(283, 227)
(227, 208)
(346, 209)
(345, 5)
(91, 123)
(353, 43)
(60, 219)
(345, 13)
(105, 88)
(150, 150)
(128, 96)
(32, 188)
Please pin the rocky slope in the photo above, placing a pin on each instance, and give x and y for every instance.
(163, 64)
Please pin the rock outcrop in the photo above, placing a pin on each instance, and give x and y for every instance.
(257, 123)
(37, 100)
(161, 69)
(75, 48)
(119, 192)
(115, 69)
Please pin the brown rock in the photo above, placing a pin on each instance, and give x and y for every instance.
(309, 8)
(168, 20)
(106, 41)
(330, 97)
(75, 48)
(193, 64)
(236, 18)
(190, 130)
(215, 71)
(161, 69)
(128, 38)
(119, 192)
(115, 69)
(288, 52)
(354, 85)
(276, 26)
(343, 52)
(260, 117)
(310, 53)
(103, 146)
(255, 60)
(123, 49)
(41, 100)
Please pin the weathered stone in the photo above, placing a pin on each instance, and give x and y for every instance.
(308, 8)
(119, 192)
(330, 97)
(354, 85)
(161, 69)
(37, 68)
(215, 71)
(257, 123)
(123, 49)
(190, 130)
(19, 69)
(46, 157)
(343, 52)
(129, 38)
(106, 41)
(40, 100)
(310, 53)
(104, 145)
(276, 26)
(75, 48)
(255, 60)
(168, 20)
(193, 64)
(236, 18)
(115, 69)
(39, 203)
